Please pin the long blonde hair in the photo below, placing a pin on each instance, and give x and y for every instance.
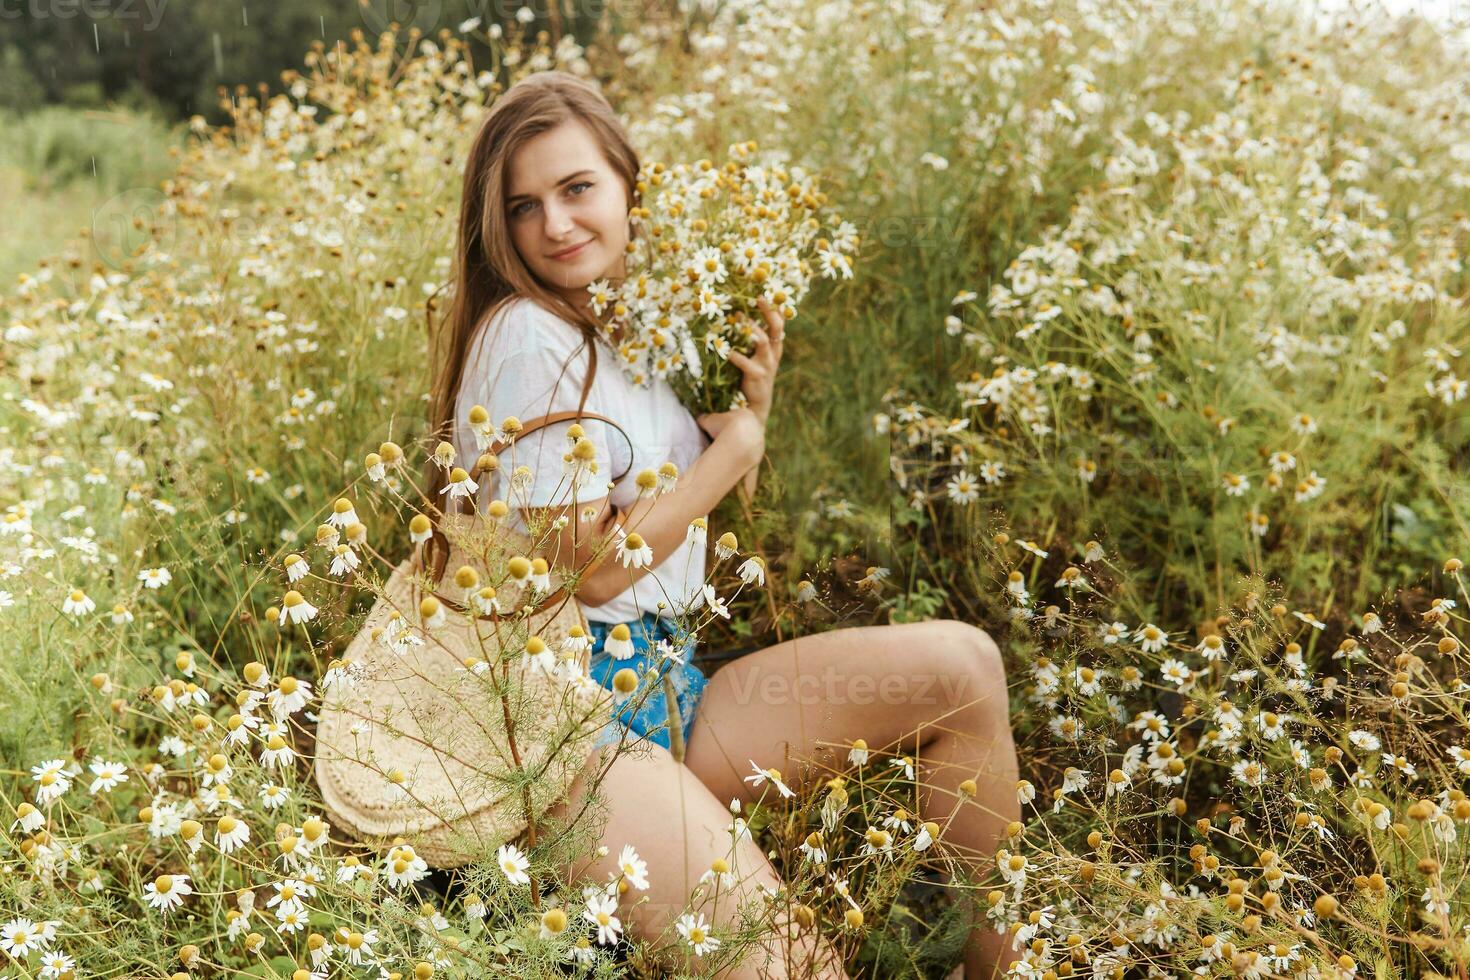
(488, 271)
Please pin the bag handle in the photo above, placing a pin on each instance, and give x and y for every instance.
(555, 417)
(497, 449)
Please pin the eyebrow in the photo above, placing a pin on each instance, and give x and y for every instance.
(565, 180)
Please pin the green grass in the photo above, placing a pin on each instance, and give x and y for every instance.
(58, 166)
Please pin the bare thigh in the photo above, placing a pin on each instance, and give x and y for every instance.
(897, 687)
(680, 829)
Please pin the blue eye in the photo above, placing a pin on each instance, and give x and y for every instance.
(520, 209)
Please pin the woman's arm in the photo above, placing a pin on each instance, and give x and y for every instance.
(759, 370)
(662, 521)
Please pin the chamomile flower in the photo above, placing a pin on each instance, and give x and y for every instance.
(513, 864)
(619, 642)
(1310, 620)
(231, 834)
(876, 841)
(1151, 638)
(1364, 740)
(358, 946)
(342, 513)
(402, 866)
(167, 892)
(719, 873)
(274, 797)
(1212, 647)
(540, 575)
(289, 696)
(344, 561)
(278, 752)
(813, 848)
(20, 937)
(486, 602)
(1016, 586)
(109, 774)
(295, 608)
(56, 964)
(290, 920)
(962, 488)
(774, 775)
(634, 552)
(927, 835)
(697, 534)
(553, 921)
(696, 932)
(52, 779)
(752, 570)
(1309, 487)
(1249, 771)
(28, 819)
(77, 603)
(460, 485)
(191, 832)
(601, 911)
(154, 578)
(714, 602)
(632, 868)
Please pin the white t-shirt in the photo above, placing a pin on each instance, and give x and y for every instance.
(527, 363)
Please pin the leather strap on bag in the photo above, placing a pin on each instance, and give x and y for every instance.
(555, 417)
(497, 448)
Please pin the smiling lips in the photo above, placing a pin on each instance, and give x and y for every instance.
(569, 253)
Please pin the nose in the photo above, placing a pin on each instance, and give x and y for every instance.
(558, 222)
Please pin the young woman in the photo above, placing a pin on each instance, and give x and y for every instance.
(547, 190)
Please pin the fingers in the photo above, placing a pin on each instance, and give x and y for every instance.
(775, 322)
(769, 344)
(776, 330)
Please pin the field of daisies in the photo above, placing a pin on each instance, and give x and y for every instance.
(1151, 362)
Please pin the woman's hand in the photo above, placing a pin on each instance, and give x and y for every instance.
(746, 430)
(741, 425)
(760, 368)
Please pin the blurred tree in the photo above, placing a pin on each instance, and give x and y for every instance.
(175, 54)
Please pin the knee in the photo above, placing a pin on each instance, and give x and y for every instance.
(974, 648)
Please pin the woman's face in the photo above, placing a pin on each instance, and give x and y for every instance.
(564, 196)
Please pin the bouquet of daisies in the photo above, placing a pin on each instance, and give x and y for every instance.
(708, 242)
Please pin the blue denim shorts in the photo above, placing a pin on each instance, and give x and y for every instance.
(646, 714)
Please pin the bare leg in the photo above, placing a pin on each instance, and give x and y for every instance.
(934, 690)
(679, 828)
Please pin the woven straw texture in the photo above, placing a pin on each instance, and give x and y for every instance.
(445, 727)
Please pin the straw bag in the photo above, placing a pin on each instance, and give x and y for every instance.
(418, 747)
